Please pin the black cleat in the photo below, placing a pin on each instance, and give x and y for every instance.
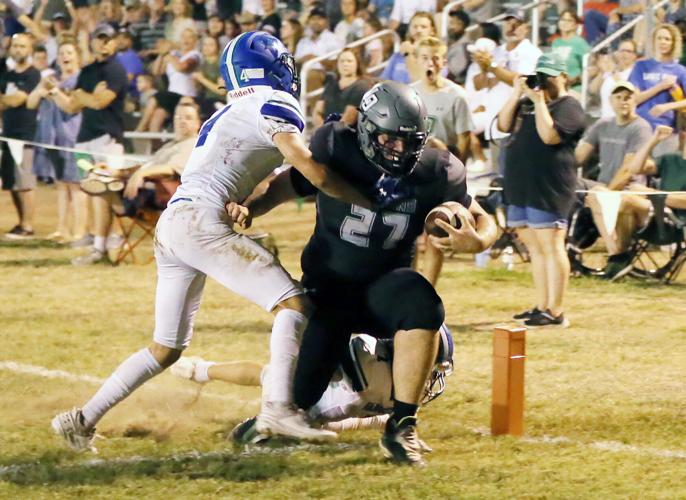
(400, 443)
(246, 433)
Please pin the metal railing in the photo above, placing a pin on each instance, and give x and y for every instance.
(535, 19)
(606, 42)
(309, 65)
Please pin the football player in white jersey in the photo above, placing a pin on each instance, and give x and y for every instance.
(360, 395)
(259, 128)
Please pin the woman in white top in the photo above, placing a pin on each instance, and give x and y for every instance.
(179, 66)
(611, 69)
(181, 21)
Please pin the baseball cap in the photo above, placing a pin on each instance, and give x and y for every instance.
(318, 11)
(103, 30)
(482, 45)
(623, 85)
(551, 64)
(517, 14)
(59, 16)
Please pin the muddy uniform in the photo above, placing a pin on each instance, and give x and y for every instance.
(356, 264)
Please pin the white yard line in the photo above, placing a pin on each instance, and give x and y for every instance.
(41, 371)
(5, 471)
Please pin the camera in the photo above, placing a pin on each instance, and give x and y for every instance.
(536, 81)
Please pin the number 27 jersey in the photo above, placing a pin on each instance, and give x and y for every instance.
(354, 244)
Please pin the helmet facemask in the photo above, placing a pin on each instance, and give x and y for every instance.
(387, 158)
(284, 73)
(435, 385)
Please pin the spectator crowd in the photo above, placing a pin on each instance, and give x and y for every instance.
(80, 73)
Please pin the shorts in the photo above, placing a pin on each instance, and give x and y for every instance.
(114, 151)
(194, 241)
(167, 100)
(534, 218)
(17, 177)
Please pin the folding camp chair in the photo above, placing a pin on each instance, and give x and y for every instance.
(659, 249)
(140, 227)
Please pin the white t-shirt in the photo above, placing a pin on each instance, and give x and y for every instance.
(235, 150)
(326, 42)
(405, 9)
(179, 82)
(609, 80)
(522, 59)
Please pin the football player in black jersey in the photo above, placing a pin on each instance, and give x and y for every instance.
(356, 266)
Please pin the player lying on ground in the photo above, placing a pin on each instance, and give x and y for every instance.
(356, 266)
(237, 148)
(359, 395)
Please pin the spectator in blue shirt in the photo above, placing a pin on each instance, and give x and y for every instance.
(661, 81)
(129, 58)
(402, 66)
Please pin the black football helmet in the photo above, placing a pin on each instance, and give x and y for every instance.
(443, 367)
(395, 110)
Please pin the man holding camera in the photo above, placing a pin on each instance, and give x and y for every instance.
(540, 178)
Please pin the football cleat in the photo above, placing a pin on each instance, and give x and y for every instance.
(185, 367)
(246, 433)
(70, 426)
(281, 419)
(400, 443)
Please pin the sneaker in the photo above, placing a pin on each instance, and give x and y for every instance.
(114, 241)
(19, 233)
(70, 426)
(246, 433)
(185, 367)
(522, 316)
(93, 257)
(400, 443)
(617, 267)
(281, 419)
(546, 318)
(83, 242)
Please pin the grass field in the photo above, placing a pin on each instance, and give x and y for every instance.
(605, 399)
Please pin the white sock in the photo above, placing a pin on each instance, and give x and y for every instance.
(99, 243)
(284, 345)
(131, 374)
(200, 374)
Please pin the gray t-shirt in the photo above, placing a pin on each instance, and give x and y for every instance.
(614, 142)
(448, 111)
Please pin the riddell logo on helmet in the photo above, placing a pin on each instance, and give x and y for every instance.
(234, 94)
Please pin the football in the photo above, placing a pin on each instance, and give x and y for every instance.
(446, 212)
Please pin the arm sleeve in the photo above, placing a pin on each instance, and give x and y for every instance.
(281, 113)
(321, 147)
(640, 136)
(569, 119)
(592, 134)
(456, 182)
(463, 117)
(116, 79)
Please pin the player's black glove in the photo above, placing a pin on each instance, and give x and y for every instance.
(388, 191)
(333, 117)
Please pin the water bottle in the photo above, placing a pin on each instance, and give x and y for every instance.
(481, 259)
(508, 258)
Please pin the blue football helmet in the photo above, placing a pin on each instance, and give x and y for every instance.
(443, 367)
(258, 58)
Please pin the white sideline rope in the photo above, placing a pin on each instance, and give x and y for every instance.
(133, 159)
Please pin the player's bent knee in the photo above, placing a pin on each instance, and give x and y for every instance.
(298, 303)
(165, 356)
(407, 301)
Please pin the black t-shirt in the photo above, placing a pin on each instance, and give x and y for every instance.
(538, 175)
(109, 120)
(271, 24)
(354, 244)
(335, 99)
(19, 122)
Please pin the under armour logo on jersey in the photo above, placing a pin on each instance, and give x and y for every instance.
(252, 73)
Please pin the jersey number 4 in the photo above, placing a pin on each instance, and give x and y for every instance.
(357, 227)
